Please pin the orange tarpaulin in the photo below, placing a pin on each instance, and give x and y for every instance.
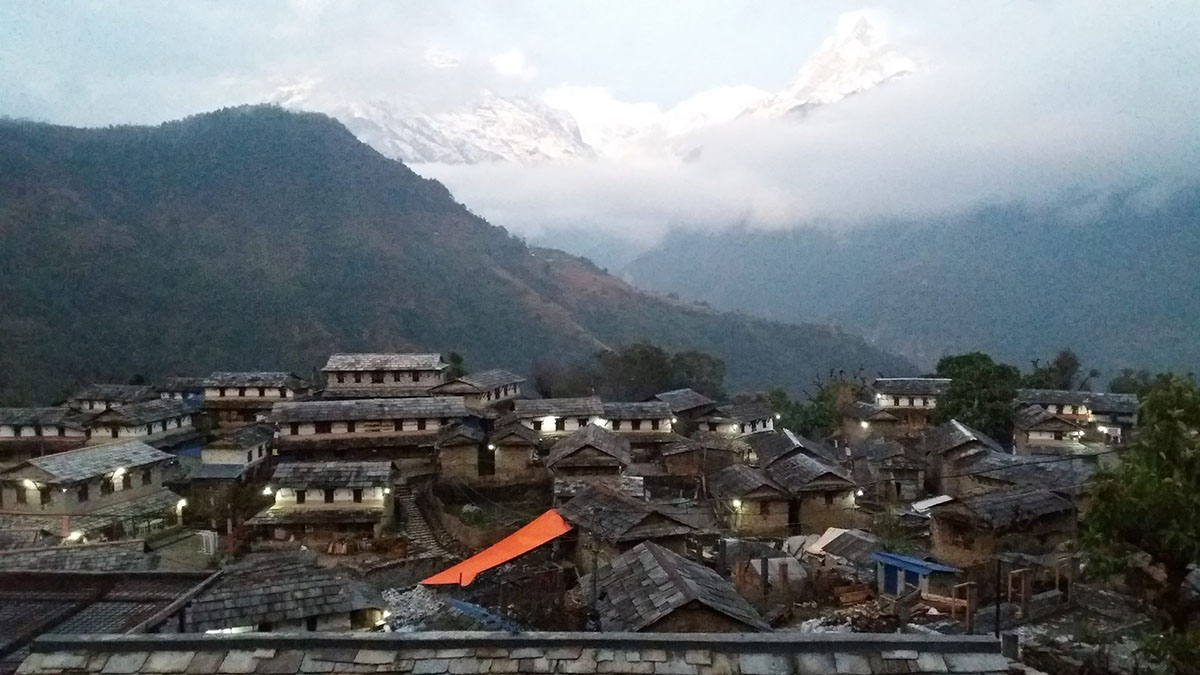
(535, 533)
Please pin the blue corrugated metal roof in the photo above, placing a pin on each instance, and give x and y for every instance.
(911, 564)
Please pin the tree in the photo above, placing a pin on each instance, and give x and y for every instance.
(700, 371)
(818, 416)
(980, 394)
(1130, 381)
(1148, 509)
(455, 369)
(1062, 372)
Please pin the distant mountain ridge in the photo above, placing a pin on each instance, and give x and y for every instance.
(255, 238)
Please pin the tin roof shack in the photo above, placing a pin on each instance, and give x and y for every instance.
(113, 490)
(899, 575)
(735, 419)
(823, 495)
(382, 375)
(608, 523)
(485, 389)
(948, 448)
(751, 503)
(704, 453)
(1037, 431)
(970, 531)
(911, 399)
(44, 602)
(325, 501)
(158, 422)
(861, 420)
(888, 470)
(688, 405)
(33, 432)
(652, 589)
(1112, 415)
(238, 397)
(468, 456)
(590, 451)
(284, 593)
(556, 417)
(403, 430)
(95, 397)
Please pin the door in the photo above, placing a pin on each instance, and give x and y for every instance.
(911, 580)
(794, 515)
(890, 580)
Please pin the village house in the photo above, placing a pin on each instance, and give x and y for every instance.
(948, 449)
(324, 501)
(484, 389)
(823, 495)
(238, 397)
(751, 503)
(284, 594)
(560, 416)
(652, 589)
(403, 430)
(969, 531)
(768, 447)
(735, 419)
(647, 416)
(382, 375)
(1114, 416)
(33, 432)
(1037, 431)
(182, 387)
(608, 522)
(703, 453)
(888, 471)
(106, 396)
(687, 405)
(590, 451)
(220, 490)
(910, 399)
(157, 421)
(114, 491)
(861, 420)
(467, 455)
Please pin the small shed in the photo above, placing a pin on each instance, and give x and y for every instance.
(899, 574)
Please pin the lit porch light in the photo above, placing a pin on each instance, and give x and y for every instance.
(736, 504)
(267, 491)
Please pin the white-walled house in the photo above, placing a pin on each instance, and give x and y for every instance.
(247, 447)
(911, 400)
(735, 419)
(153, 420)
(327, 500)
(382, 375)
(33, 432)
(483, 389)
(96, 397)
(560, 416)
(238, 397)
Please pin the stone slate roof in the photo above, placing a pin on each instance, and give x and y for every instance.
(861, 410)
(710, 440)
(64, 417)
(1101, 402)
(886, 453)
(515, 434)
(107, 556)
(749, 411)
(1028, 417)
(464, 432)
(334, 474)
(559, 407)
(426, 407)
(97, 460)
(684, 400)
(255, 379)
(953, 434)
(1007, 508)
(245, 437)
(853, 545)
(648, 582)
(17, 538)
(911, 386)
(490, 379)
(591, 436)
(118, 393)
(495, 652)
(616, 517)
(801, 473)
(275, 589)
(206, 471)
(645, 410)
(351, 362)
(771, 446)
(739, 480)
(155, 410)
(1062, 476)
(566, 487)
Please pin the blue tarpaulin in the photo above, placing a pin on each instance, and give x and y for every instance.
(911, 564)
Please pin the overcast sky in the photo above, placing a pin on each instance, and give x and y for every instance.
(1015, 100)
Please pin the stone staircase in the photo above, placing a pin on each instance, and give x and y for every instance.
(422, 538)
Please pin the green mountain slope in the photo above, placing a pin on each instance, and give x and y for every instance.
(258, 238)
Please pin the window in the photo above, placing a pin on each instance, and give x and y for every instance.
(560, 424)
(583, 422)
(896, 401)
(925, 402)
(358, 377)
(301, 495)
(113, 431)
(91, 405)
(126, 481)
(262, 391)
(62, 431)
(147, 477)
(357, 495)
(764, 508)
(294, 429)
(341, 378)
(396, 376)
(1058, 435)
(712, 426)
(421, 424)
(328, 495)
(221, 392)
(377, 378)
(616, 425)
(44, 492)
(310, 623)
(107, 487)
(416, 377)
(241, 392)
(322, 427)
(654, 425)
(350, 427)
(37, 430)
(911, 402)
(828, 499)
(21, 494)
(249, 456)
(537, 425)
(261, 450)
(81, 493)
(636, 425)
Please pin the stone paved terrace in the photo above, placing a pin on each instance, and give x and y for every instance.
(460, 653)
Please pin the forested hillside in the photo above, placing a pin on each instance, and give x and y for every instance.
(259, 238)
